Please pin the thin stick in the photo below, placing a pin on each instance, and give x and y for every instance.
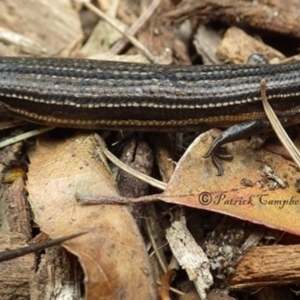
(136, 26)
(11, 254)
(153, 182)
(24, 136)
(111, 22)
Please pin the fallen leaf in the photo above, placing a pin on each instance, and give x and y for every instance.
(112, 254)
(195, 184)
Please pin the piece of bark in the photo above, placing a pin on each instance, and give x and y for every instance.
(268, 265)
(9, 156)
(275, 16)
(164, 154)
(58, 276)
(237, 46)
(206, 42)
(15, 274)
(15, 232)
(190, 256)
(18, 218)
(139, 156)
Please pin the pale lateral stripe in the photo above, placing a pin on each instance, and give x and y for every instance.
(146, 104)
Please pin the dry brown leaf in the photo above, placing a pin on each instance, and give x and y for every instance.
(194, 183)
(257, 186)
(112, 254)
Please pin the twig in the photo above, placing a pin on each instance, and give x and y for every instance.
(136, 26)
(111, 22)
(11, 254)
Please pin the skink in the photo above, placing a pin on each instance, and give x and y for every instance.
(113, 95)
